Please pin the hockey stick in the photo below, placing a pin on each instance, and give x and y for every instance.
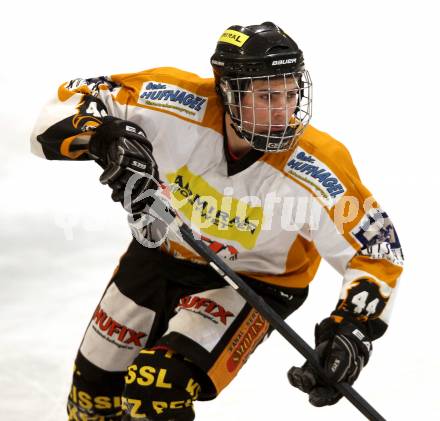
(165, 212)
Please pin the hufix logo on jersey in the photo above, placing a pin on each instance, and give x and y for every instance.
(316, 176)
(205, 307)
(174, 99)
(112, 329)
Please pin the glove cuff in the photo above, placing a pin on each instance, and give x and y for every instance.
(110, 130)
(330, 327)
(98, 143)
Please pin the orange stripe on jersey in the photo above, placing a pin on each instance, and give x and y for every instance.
(64, 94)
(380, 268)
(301, 265)
(247, 337)
(303, 260)
(277, 160)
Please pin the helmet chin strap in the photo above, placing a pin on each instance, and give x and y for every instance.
(238, 132)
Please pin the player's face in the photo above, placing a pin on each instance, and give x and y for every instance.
(269, 107)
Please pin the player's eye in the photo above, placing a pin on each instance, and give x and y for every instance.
(264, 96)
(292, 94)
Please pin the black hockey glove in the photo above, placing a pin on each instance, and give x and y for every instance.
(343, 351)
(123, 150)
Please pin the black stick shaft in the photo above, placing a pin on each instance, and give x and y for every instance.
(273, 318)
(163, 209)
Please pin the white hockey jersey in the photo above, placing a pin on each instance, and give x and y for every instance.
(271, 215)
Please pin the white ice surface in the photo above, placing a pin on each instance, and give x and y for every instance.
(375, 71)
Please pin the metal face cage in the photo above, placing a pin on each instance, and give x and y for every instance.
(270, 112)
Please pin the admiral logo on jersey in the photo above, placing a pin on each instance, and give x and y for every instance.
(174, 99)
(316, 176)
(209, 210)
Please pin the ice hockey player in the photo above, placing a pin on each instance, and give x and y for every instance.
(264, 189)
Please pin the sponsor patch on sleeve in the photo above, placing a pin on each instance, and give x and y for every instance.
(314, 174)
(173, 99)
(378, 237)
(93, 85)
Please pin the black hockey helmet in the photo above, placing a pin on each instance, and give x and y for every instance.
(262, 52)
(256, 50)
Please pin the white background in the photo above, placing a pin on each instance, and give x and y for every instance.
(375, 71)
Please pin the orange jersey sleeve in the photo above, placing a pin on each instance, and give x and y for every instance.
(349, 229)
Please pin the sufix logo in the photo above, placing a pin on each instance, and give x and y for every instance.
(113, 329)
(204, 306)
(246, 341)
